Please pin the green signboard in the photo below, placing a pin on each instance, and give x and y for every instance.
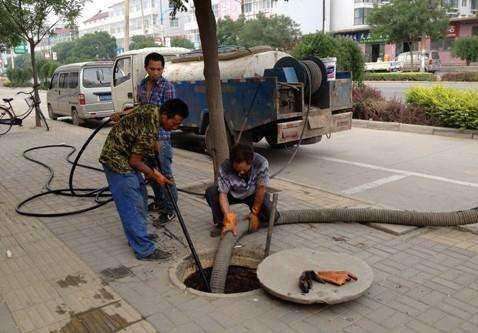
(20, 49)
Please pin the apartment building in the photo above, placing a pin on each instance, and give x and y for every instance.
(349, 17)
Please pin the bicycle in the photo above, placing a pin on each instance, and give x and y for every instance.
(8, 118)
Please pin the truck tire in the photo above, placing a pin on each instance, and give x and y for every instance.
(51, 114)
(75, 118)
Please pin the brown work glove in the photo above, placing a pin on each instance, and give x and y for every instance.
(339, 278)
(229, 224)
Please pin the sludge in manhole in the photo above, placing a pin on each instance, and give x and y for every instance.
(239, 280)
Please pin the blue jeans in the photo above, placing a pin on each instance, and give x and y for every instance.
(160, 193)
(131, 200)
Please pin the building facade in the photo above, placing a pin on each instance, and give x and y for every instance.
(349, 17)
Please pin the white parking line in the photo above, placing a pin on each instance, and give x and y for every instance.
(402, 172)
(376, 183)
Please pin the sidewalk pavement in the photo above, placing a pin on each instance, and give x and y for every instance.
(77, 273)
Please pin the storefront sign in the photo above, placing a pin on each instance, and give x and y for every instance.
(453, 30)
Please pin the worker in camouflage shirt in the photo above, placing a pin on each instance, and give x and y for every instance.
(129, 143)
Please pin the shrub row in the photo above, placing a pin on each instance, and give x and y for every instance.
(452, 107)
(406, 76)
(464, 77)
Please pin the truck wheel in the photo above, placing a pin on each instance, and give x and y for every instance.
(51, 114)
(75, 118)
(271, 141)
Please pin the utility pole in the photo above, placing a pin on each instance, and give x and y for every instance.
(323, 16)
(126, 25)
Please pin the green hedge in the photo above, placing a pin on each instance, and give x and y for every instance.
(410, 76)
(452, 107)
(464, 77)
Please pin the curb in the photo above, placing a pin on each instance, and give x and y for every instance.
(418, 129)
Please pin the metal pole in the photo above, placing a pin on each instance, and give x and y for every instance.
(188, 239)
(323, 16)
(12, 58)
(126, 25)
(161, 32)
(272, 219)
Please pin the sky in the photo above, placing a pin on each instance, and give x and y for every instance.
(92, 7)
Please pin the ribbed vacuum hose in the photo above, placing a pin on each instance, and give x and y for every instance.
(354, 215)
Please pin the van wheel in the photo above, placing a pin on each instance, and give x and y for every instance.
(75, 118)
(52, 115)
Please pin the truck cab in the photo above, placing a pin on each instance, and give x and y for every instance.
(128, 71)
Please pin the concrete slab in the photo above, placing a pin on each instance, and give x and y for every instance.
(279, 275)
(394, 229)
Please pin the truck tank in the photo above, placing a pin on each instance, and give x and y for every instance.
(233, 65)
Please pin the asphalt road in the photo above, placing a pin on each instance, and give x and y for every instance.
(394, 169)
(398, 89)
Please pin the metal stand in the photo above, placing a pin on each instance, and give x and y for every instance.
(272, 219)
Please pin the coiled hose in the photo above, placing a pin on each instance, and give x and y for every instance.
(357, 215)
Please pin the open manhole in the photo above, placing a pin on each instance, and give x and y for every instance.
(241, 278)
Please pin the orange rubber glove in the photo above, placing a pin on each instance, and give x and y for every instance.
(229, 224)
(339, 278)
(254, 222)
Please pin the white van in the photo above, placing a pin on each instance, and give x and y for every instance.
(432, 61)
(82, 91)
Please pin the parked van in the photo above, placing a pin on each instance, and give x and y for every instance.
(82, 91)
(432, 61)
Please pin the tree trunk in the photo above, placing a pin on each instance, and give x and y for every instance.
(207, 32)
(468, 62)
(35, 84)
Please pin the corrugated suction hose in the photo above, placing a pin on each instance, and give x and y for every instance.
(353, 215)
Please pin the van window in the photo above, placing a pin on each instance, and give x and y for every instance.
(97, 77)
(122, 71)
(73, 80)
(63, 82)
(54, 81)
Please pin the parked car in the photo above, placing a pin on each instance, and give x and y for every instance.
(82, 91)
(432, 61)
(383, 66)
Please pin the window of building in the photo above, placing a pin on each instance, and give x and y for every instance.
(474, 30)
(73, 80)
(173, 23)
(247, 6)
(448, 44)
(360, 15)
(464, 3)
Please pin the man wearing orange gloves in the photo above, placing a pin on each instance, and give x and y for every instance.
(242, 179)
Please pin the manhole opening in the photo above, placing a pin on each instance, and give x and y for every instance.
(241, 277)
(239, 280)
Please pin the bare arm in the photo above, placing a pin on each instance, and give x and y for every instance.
(224, 203)
(259, 199)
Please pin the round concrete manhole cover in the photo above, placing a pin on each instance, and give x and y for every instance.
(279, 275)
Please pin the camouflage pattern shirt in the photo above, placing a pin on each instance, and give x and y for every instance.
(135, 133)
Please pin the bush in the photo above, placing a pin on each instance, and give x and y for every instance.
(349, 56)
(400, 77)
(368, 104)
(452, 107)
(464, 77)
(19, 77)
(182, 42)
(466, 48)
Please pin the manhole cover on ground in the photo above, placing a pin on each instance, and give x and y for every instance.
(279, 275)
